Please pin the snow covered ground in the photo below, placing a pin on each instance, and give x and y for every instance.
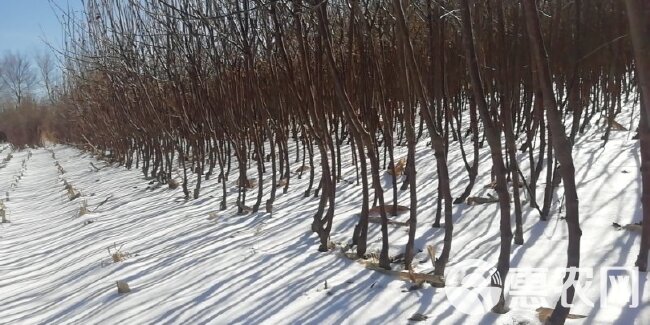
(189, 263)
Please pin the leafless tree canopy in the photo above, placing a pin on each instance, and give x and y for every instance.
(211, 83)
(47, 70)
(17, 75)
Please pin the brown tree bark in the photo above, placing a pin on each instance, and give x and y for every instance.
(494, 141)
(409, 122)
(638, 12)
(562, 147)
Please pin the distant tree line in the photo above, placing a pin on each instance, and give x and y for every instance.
(28, 93)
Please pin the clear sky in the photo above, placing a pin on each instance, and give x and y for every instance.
(24, 24)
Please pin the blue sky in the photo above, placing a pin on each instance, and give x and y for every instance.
(25, 23)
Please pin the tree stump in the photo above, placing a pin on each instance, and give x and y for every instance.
(122, 287)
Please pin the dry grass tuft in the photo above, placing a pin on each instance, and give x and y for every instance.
(213, 216)
(83, 208)
(377, 220)
(244, 209)
(617, 126)
(544, 313)
(634, 227)
(247, 183)
(476, 200)
(73, 194)
(399, 168)
(173, 184)
(3, 213)
(390, 210)
(59, 167)
(117, 255)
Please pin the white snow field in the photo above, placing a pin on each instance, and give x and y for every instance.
(188, 263)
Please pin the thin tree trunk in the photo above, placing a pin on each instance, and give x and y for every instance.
(494, 141)
(638, 12)
(563, 148)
